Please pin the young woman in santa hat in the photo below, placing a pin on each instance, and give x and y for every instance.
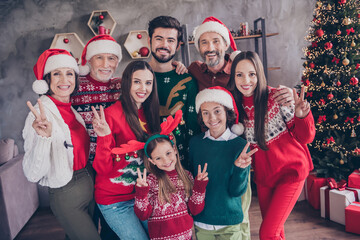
(57, 145)
(132, 117)
(280, 133)
(228, 159)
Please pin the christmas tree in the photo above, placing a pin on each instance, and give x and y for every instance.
(332, 69)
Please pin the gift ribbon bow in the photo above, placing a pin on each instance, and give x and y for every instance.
(349, 119)
(337, 60)
(351, 30)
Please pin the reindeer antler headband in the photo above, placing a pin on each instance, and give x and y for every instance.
(166, 128)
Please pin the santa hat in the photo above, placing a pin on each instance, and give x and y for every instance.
(224, 97)
(48, 61)
(212, 24)
(98, 44)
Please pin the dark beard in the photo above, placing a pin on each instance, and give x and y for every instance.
(162, 60)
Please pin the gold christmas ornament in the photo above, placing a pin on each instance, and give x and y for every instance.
(348, 100)
(322, 84)
(346, 62)
(353, 133)
(117, 158)
(341, 162)
(135, 54)
(319, 4)
(353, 44)
(328, 7)
(346, 21)
(335, 116)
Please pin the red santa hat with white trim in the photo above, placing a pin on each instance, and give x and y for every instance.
(48, 61)
(212, 24)
(99, 44)
(224, 97)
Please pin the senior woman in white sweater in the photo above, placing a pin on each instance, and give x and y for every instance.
(57, 145)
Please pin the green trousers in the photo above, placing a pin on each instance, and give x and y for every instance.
(73, 205)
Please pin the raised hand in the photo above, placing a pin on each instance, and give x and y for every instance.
(179, 67)
(41, 125)
(100, 125)
(244, 159)
(141, 181)
(202, 175)
(284, 96)
(302, 107)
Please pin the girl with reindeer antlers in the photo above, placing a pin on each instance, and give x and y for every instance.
(165, 196)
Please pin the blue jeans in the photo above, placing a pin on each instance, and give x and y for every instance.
(123, 221)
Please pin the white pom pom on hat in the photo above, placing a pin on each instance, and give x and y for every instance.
(48, 61)
(99, 44)
(224, 97)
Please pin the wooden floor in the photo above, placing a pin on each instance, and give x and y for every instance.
(304, 223)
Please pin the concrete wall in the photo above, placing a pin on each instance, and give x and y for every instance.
(27, 28)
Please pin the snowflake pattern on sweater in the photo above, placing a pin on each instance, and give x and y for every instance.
(169, 220)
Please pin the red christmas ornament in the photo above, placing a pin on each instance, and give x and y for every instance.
(144, 51)
(359, 15)
(136, 155)
(308, 53)
(101, 17)
(354, 81)
(338, 32)
(358, 100)
(311, 65)
(328, 45)
(357, 66)
(171, 137)
(66, 40)
(139, 36)
(330, 96)
(319, 33)
(338, 83)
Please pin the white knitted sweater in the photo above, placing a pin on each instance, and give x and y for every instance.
(47, 160)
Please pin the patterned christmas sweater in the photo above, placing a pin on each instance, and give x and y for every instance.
(94, 93)
(169, 220)
(115, 180)
(179, 92)
(287, 158)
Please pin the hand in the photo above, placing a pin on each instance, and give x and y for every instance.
(202, 175)
(284, 96)
(244, 159)
(302, 107)
(99, 123)
(180, 67)
(141, 181)
(41, 125)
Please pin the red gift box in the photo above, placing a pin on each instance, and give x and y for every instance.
(354, 179)
(352, 218)
(313, 185)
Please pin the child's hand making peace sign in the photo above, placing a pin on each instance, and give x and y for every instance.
(202, 175)
(41, 125)
(141, 181)
(244, 159)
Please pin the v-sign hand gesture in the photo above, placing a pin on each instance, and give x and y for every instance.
(41, 125)
(100, 125)
(141, 181)
(302, 107)
(202, 175)
(244, 159)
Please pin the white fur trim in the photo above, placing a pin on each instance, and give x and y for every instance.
(103, 46)
(234, 54)
(60, 61)
(84, 70)
(213, 95)
(40, 86)
(238, 129)
(211, 27)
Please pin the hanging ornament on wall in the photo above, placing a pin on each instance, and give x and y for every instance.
(346, 21)
(101, 17)
(139, 36)
(66, 40)
(346, 62)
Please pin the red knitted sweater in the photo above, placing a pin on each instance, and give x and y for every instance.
(115, 180)
(288, 158)
(170, 220)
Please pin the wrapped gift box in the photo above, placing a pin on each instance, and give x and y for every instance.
(352, 218)
(333, 203)
(354, 179)
(312, 190)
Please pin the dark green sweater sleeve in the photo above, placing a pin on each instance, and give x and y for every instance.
(238, 181)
